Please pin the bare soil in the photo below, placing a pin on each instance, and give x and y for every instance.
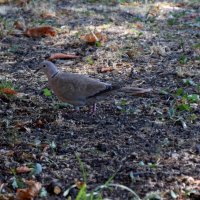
(145, 141)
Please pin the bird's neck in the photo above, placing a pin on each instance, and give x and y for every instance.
(52, 72)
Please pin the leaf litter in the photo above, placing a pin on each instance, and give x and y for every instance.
(139, 45)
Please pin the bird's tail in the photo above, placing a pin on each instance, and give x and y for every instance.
(135, 90)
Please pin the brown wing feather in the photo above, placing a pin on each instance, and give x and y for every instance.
(76, 88)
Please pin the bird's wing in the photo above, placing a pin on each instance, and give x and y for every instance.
(76, 88)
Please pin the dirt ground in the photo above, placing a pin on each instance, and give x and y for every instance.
(148, 143)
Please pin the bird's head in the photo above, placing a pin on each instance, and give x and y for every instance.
(48, 68)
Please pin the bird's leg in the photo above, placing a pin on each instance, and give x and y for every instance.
(94, 109)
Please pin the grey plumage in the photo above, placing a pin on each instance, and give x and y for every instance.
(75, 89)
(80, 90)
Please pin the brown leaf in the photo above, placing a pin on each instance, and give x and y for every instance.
(181, 4)
(19, 25)
(79, 184)
(105, 69)
(92, 38)
(139, 25)
(22, 2)
(47, 15)
(8, 91)
(40, 123)
(29, 193)
(23, 169)
(6, 152)
(4, 1)
(45, 147)
(7, 196)
(20, 126)
(40, 31)
(62, 56)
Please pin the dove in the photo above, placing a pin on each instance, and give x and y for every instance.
(76, 89)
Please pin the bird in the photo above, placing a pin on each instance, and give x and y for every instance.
(77, 89)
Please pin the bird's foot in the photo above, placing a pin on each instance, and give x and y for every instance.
(93, 110)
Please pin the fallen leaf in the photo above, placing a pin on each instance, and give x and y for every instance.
(62, 56)
(113, 47)
(40, 123)
(29, 193)
(92, 38)
(22, 2)
(181, 4)
(47, 15)
(80, 184)
(139, 25)
(19, 25)
(7, 196)
(45, 148)
(21, 127)
(153, 11)
(6, 152)
(23, 169)
(40, 31)
(8, 91)
(105, 69)
(4, 1)
(134, 52)
(159, 50)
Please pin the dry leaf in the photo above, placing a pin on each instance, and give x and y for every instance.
(29, 193)
(19, 25)
(134, 52)
(62, 56)
(6, 152)
(79, 184)
(45, 148)
(114, 47)
(159, 50)
(153, 11)
(8, 91)
(105, 69)
(22, 2)
(21, 127)
(23, 169)
(40, 31)
(7, 196)
(4, 1)
(92, 38)
(47, 15)
(139, 25)
(181, 4)
(40, 123)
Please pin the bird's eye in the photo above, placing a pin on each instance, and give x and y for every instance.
(43, 65)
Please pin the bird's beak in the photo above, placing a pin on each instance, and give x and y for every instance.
(37, 70)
